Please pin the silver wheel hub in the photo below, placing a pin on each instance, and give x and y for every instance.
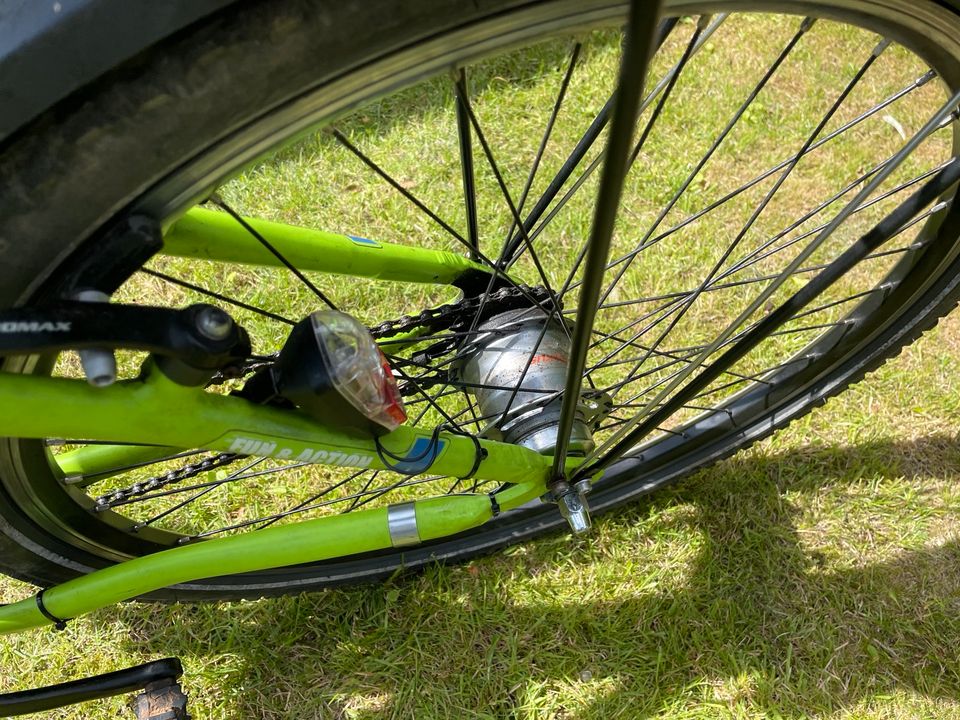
(516, 377)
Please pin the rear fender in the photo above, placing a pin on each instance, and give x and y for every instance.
(51, 48)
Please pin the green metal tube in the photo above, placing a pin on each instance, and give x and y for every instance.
(159, 411)
(436, 516)
(277, 546)
(141, 411)
(210, 235)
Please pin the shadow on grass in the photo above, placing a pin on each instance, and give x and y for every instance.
(760, 620)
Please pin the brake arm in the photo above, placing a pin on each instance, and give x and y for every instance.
(201, 337)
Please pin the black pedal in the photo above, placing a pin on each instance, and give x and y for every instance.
(162, 698)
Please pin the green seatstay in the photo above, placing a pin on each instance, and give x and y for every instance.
(210, 235)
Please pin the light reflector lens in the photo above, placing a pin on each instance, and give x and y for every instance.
(359, 371)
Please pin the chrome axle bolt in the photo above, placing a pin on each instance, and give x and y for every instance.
(572, 502)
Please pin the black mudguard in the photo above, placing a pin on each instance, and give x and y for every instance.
(51, 48)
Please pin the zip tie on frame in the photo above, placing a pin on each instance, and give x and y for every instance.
(59, 624)
(479, 452)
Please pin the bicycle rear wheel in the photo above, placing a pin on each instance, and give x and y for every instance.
(737, 174)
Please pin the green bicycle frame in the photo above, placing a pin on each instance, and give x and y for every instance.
(154, 410)
(208, 235)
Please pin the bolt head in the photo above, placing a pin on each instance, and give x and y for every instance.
(214, 323)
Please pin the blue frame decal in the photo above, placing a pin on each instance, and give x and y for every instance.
(421, 456)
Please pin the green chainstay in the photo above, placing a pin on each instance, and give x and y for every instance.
(444, 317)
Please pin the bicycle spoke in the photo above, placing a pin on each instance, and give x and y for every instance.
(647, 242)
(474, 417)
(768, 197)
(516, 247)
(342, 139)
(752, 258)
(692, 350)
(764, 373)
(273, 251)
(466, 161)
(668, 354)
(805, 26)
(137, 527)
(752, 281)
(268, 519)
(892, 223)
(570, 164)
(695, 41)
(307, 504)
(216, 296)
(763, 251)
(496, 273)
(548, 130)
(422, 392)
(492, 163)
(201, 486)
(582, 147)
(355, 497)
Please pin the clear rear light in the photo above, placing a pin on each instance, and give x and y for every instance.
(358, 370)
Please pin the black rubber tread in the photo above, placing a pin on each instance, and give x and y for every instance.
(132, 103)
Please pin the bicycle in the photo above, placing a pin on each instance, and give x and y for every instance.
(493, 415)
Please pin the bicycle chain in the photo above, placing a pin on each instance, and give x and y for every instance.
(158, 482)
(452, 316)
(457, 314)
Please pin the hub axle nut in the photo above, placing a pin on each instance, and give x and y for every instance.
(574, 508)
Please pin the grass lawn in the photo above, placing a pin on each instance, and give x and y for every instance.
(815, 574)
